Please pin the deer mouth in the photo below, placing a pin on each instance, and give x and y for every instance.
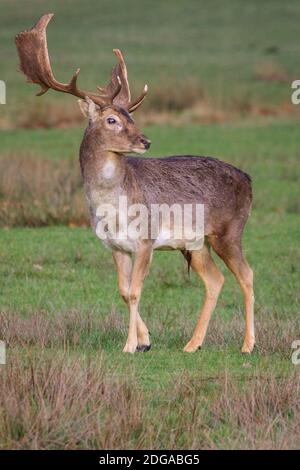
(139, 150)
(142, 144)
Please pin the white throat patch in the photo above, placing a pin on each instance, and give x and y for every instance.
(108, 170)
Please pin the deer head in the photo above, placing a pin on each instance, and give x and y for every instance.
(108, 111)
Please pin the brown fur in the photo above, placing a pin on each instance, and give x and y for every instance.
(225, 192)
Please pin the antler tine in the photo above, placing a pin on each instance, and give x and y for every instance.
(35, 63)
(135, 104)
(118, 88)
(123, 98)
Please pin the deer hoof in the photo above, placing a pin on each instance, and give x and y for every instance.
(129, 348)
(143, 347)
(190, 347)
(248, 348)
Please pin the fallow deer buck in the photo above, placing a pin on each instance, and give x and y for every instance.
(108, 173)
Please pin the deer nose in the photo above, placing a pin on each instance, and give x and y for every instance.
(146, 142)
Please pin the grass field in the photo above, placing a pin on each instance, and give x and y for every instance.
(234, 56)
(61, 312)
(66, 383)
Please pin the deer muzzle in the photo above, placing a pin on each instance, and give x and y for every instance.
(145, 142)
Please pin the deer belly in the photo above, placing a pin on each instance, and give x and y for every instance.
(118, 243)
(178, 237)
(118, 231)
(118, 239)
(166, 242)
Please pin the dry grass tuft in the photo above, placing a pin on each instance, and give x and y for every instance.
(62, 403)
(174, 102)
(69, 329)
(273, 334)
(53, 399)
(36, 192)
(49, 114)
(175, 96)
(73, 328)
(264, 413)
(258, 412)
(270, 71)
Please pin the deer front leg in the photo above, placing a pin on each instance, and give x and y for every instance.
(140, 269)
(124, 266)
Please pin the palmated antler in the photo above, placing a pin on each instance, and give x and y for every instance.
(35, 64)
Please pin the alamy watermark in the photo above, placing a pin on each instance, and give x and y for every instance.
(165, 225)
(296, 353)
(295, 97)
(2, 353)
(2, 92)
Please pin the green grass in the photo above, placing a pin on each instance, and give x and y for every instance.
(64, 278)
(60, 312)
(56, 270)
(219, 45)
(61, 305)
(268, 151)
(59, 291)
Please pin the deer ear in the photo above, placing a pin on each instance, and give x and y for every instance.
(89, 109)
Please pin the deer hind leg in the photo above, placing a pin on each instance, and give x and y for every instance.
(125, 273)
(213, 279)
(232, 254)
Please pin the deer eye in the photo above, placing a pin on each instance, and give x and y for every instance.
(111, 120)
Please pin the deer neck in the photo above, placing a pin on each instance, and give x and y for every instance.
(102, 168)
(109, 169)
(104, 173)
